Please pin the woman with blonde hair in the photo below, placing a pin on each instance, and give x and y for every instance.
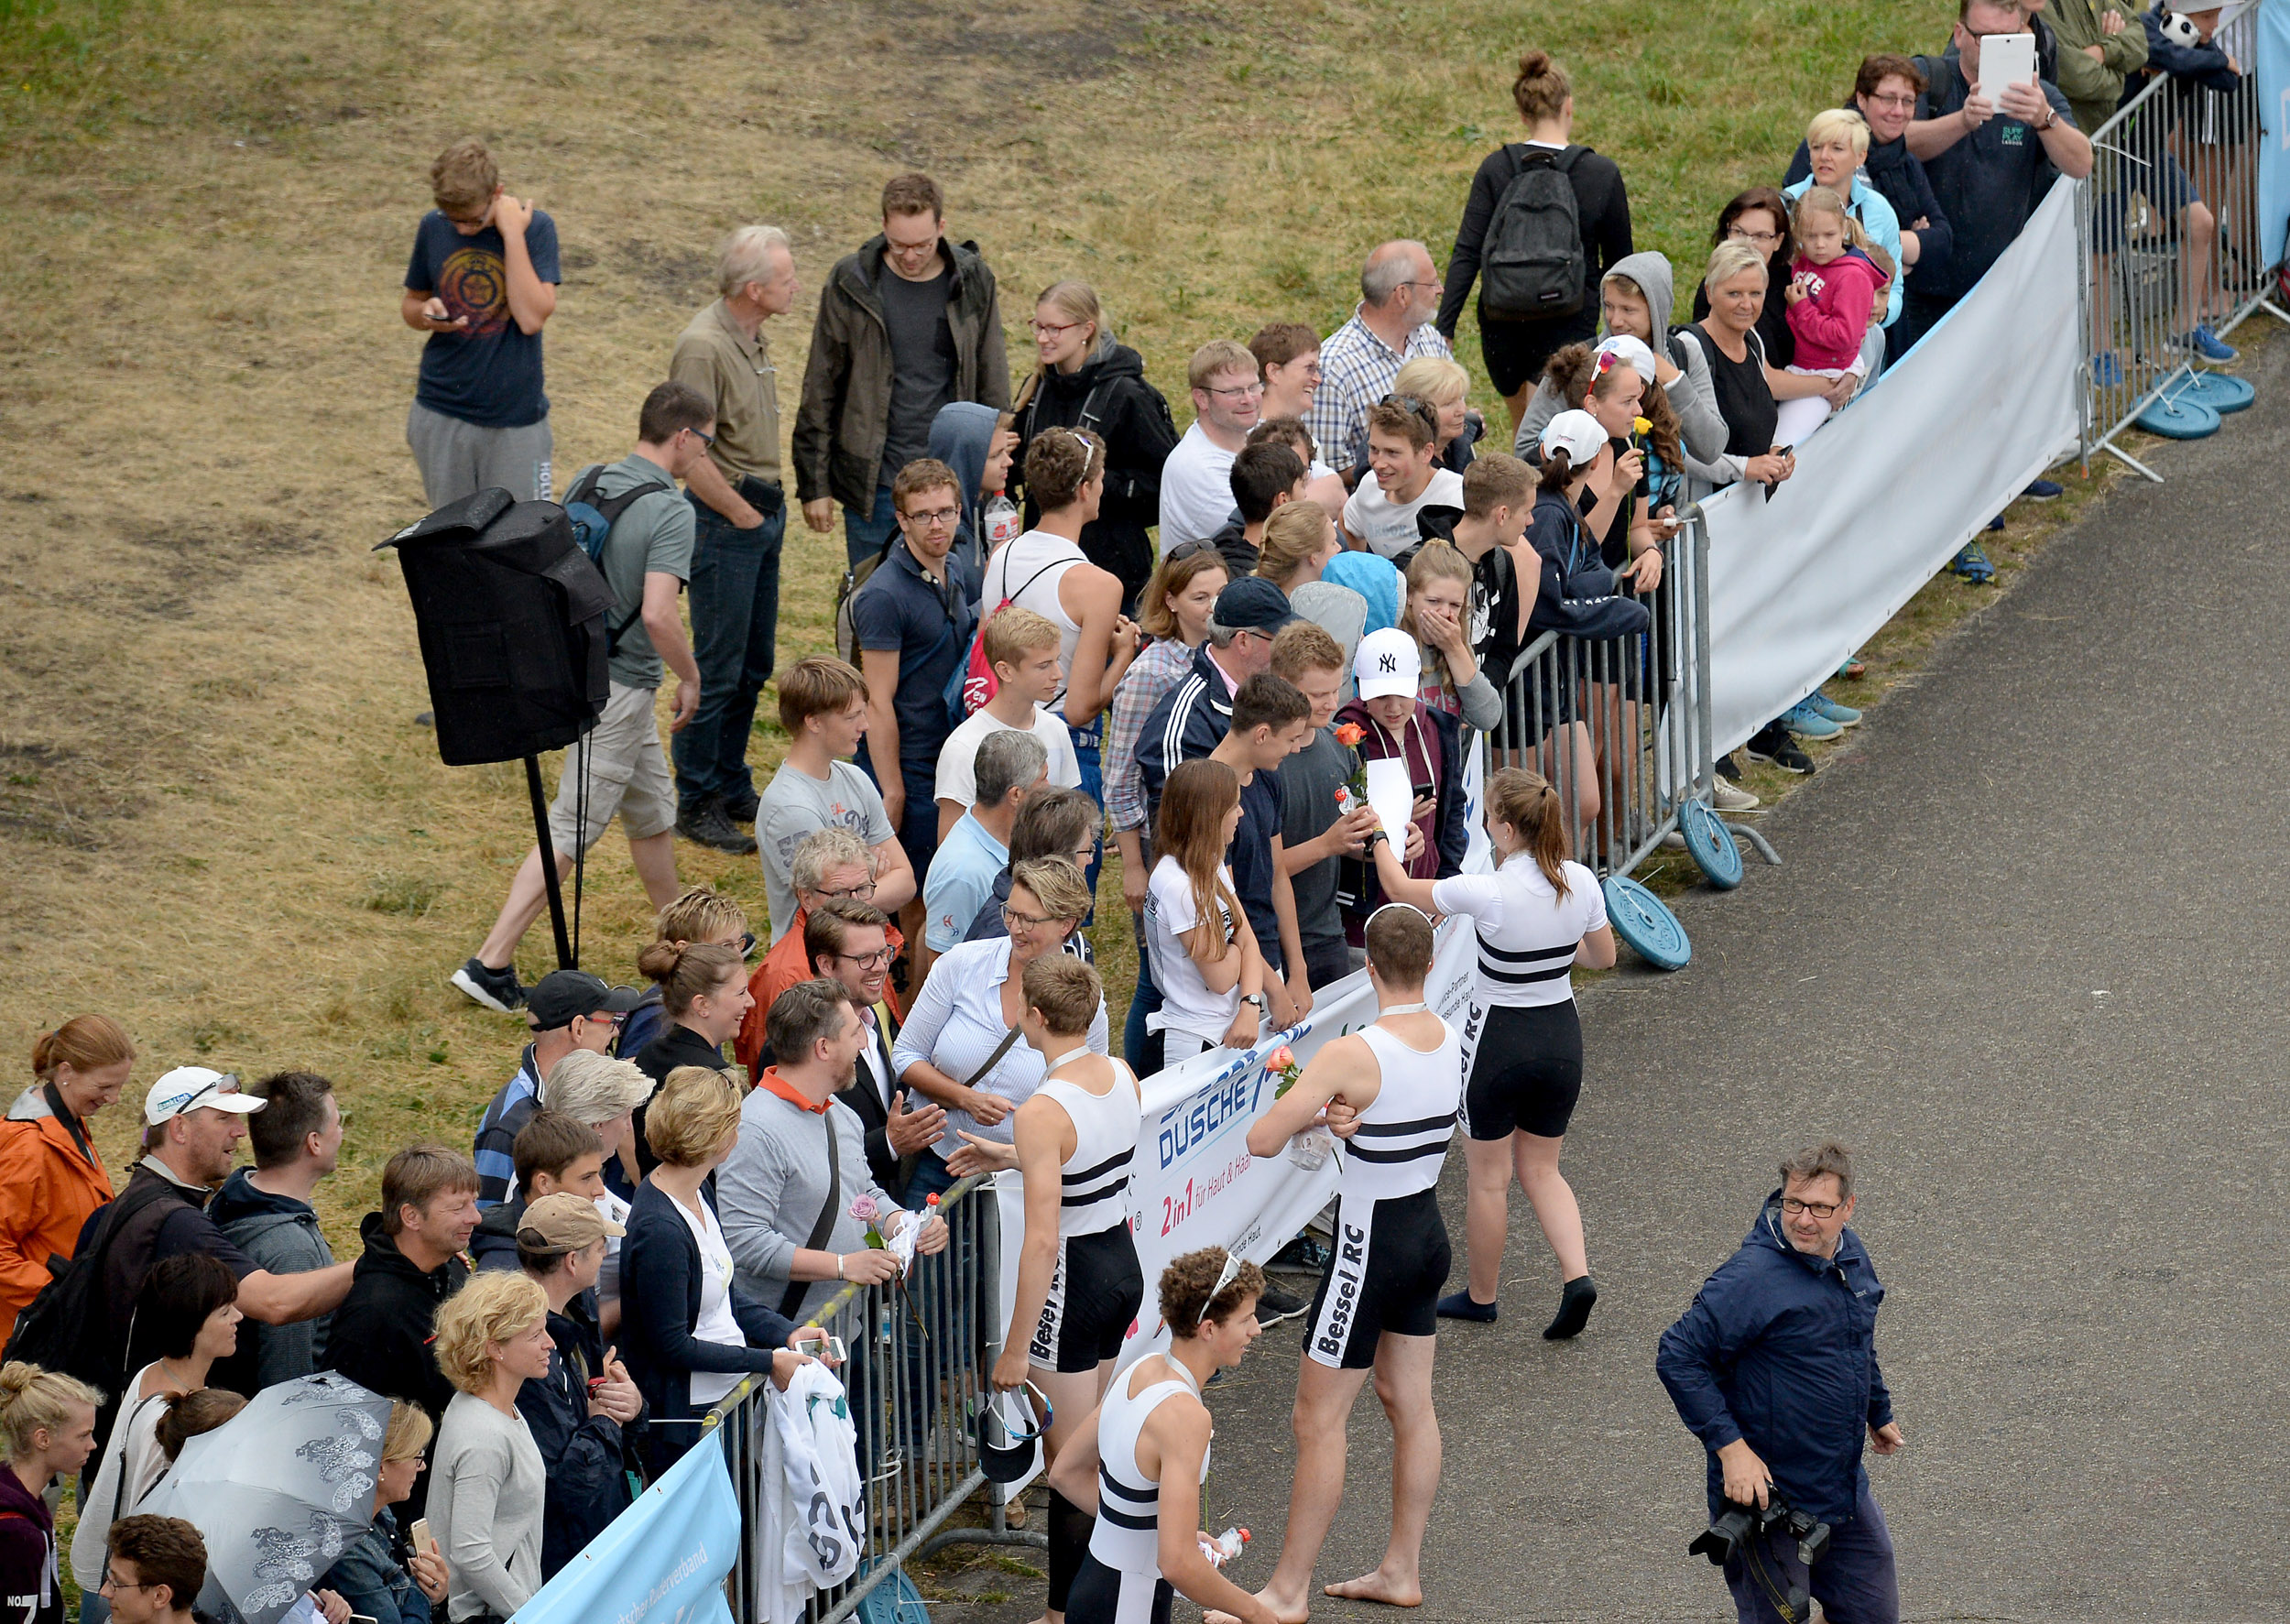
(367, 1573)
(50, 1177)
(1206, 959)
(1537, 916)
(1174, 613)
(1300, 541)
(1443, 385)
(488, 1487)
(48, 1427)
(1085, 380)
(1438, 617)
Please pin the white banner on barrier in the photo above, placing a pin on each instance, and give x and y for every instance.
(1194, 1183)
(1888, 491)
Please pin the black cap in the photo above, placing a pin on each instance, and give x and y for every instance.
(561, 995)
(1252, 603)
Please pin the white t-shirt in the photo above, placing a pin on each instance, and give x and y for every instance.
(716, 1323)
(1186, 1003)
(1527, 931)
(958, 762)
(1389, 527)
(614, 1211)
(1195, 489)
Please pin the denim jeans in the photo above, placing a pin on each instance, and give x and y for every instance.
(863, 536)
(917, 825)
(1854, 1583)
(735, 619)
(1141, 1048)
(1089, 756)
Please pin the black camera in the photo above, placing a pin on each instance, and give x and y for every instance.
(1738, 1527)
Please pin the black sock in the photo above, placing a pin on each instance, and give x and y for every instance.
(1069, 1542)
(1573, 1310)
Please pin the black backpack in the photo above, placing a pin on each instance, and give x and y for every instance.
(58, 1330)
(1531, 265)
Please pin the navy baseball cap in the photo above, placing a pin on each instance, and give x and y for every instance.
(1252, 603)
(561, 995)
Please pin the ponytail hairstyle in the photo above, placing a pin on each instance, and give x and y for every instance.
(191, 1413)
(1575, 374)
(1192, 830)
(31, 1398)
(1540, 91)
(1527, 802)
(1077, 302)
(1821, 200)
(701, 914)
(686, 973)
(1558, 471)
(85, 1043)
(1060, 461)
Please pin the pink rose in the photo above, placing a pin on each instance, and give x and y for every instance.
(866, 1209)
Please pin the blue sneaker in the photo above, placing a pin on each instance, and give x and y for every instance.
(2207, 345)
(2107, 371)
(1843, 715)
(1805, 722)
(1973, 565)
(2043, 490)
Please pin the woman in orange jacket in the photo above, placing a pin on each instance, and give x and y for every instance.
(50, 1176)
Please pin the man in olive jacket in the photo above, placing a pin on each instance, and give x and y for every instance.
(908, 324)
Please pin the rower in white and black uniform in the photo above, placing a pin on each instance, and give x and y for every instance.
(1079, 1286)
(1142, 1458)
(1537, 916)
(1399, 1081)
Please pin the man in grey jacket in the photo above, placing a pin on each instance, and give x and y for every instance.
(909, 325)
(266, 1212)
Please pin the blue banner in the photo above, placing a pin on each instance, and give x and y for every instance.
(2273, 120)
(662, 1560)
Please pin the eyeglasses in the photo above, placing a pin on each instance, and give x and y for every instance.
(1737, 233)
(111, 1581)
(703, 437)
(1052, 329)
(1085, 854)
(1246, 392)
(935, 518)
(599, 1018)
(1441, 287)
(1900, 103)
(868, 961)
(862, 892)
(1820, 1209)
(1185, 550)
(1016, 920)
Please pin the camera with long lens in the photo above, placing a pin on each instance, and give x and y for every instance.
(1741, 1531)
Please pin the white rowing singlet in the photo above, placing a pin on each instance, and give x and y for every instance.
(1127, 1537)
(1401, 1142)
(1096, 1176)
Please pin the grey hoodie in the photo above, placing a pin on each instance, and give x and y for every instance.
(282, 1235)
(1701, 430)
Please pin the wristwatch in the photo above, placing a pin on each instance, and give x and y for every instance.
(1256, 998)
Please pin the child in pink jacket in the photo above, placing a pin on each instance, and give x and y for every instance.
(1834, 284)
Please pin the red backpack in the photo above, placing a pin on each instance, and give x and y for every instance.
(973, 683)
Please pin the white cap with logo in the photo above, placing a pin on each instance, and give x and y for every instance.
(196, 1088)
(1388, 664)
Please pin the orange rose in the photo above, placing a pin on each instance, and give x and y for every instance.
(1280, 1058)
(1350, 734)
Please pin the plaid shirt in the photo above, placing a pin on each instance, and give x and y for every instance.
(1356, 371)
(1151, 675)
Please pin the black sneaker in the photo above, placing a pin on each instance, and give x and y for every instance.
(706, 825)
(1775, 745)
(495, 989)
(741, 808)
(1729, 769)
(1277, 1304)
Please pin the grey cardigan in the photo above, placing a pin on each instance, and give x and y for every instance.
(487, 1492)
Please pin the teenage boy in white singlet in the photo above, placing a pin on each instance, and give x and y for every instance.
(1399, 1081)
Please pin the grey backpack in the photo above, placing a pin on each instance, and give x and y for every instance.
(1531, 266)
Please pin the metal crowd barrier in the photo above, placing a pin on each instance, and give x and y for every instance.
(2169, 234)
(1622, 729)
(916, 1373)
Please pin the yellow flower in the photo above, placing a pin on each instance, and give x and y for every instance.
(1641, 425)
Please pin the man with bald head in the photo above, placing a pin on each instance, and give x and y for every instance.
(1400, 291)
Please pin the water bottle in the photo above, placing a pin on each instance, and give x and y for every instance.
(999, 520)
(1224, 1546)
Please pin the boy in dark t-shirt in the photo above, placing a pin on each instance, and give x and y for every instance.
(481, 283)
(1271, 722)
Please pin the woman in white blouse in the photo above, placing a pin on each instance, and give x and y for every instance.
(966, 1016)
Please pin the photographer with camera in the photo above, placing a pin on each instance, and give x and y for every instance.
(1774, 1370)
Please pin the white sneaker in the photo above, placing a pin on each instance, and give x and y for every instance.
(1730, 797)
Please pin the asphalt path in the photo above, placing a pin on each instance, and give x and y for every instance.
(2025, 955)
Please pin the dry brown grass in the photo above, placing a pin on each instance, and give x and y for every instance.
(219, 822)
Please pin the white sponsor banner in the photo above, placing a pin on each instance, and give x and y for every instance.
(1888, 490)
(1194, 1183)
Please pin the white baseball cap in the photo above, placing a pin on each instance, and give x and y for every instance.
(1623, 347)
(1388, 664)
(1578, 435)
(196, 1088)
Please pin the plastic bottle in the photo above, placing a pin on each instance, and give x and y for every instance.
(1224, 1546)
(999, 520)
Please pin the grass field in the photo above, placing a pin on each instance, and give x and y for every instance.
(219, 821)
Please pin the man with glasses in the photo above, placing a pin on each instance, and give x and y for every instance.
(740, 512)
(1774, 1370)
(1195, 482)
(831, 864)
(154, 1571)
(907, 324)
(1884, 94)
(568, 1009)
(618, 769)
(1392, 324)
(849, 942)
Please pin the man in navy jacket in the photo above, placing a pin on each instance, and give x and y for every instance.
(1774, 1370)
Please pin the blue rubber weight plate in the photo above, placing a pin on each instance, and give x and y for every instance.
(2178, 416)
(2222, 392)
(1710, 844)
(1639, 919)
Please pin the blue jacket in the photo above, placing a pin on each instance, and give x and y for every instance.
(588, 1483)
(368, 1575)
(2204, 65)
(1190, 720)
(1900, 179)
(1780, 1349)
(660, 1304)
